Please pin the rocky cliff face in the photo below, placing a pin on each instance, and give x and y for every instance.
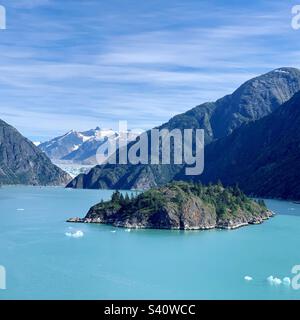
(254, 100)
(21, 162)
(263, 157)
(180, 206)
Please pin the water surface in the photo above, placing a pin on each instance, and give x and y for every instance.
(109, 263)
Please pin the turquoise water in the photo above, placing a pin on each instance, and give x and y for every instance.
(43, 263)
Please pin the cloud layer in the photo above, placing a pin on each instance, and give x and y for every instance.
(79, 64)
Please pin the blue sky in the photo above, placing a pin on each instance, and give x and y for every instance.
(79, 64)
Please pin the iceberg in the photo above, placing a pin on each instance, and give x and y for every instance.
(77, 234)
(274, 280)
(286, 281)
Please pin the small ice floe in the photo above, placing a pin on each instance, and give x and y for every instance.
(20, 209)
(291, 209)
(113, 231)
(248, 278)
(127, 230)
(274, 280)
(76, 234)
(286, 281)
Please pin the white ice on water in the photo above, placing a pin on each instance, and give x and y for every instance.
(248, 278)
(286, 281)
(274, 280)
(76, 234)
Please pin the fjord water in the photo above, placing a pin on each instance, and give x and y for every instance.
(108, 263)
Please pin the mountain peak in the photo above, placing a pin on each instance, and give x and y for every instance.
(21, 162)
(286, 69)
(253, 100)
(284, 72)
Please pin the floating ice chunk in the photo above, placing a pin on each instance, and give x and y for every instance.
(20, 209)
(128, 230)
(274, 280)
(248, 278)
(113, 231)
(77, 234)
(286, 281)
(277, 281)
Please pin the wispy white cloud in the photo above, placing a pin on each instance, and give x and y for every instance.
(28, 4)
(89, 63)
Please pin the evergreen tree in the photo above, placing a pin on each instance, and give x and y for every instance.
(262, 203)
(116, 197)
(127, 199)
(122, 200)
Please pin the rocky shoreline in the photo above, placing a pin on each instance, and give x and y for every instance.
(179, 206)
(228, 225)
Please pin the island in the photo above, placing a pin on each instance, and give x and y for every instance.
(179, 206)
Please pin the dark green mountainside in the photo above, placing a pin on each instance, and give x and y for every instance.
(254, 100)
(263, 157)
(21, 162)
(180, 206)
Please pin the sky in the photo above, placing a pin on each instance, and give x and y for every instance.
(80, 64)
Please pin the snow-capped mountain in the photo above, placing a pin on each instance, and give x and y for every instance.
(61, 146)
(81, 147)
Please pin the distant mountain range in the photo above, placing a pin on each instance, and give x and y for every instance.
(247, 107)
(81, 147)
(64, 145)
(21, 162)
